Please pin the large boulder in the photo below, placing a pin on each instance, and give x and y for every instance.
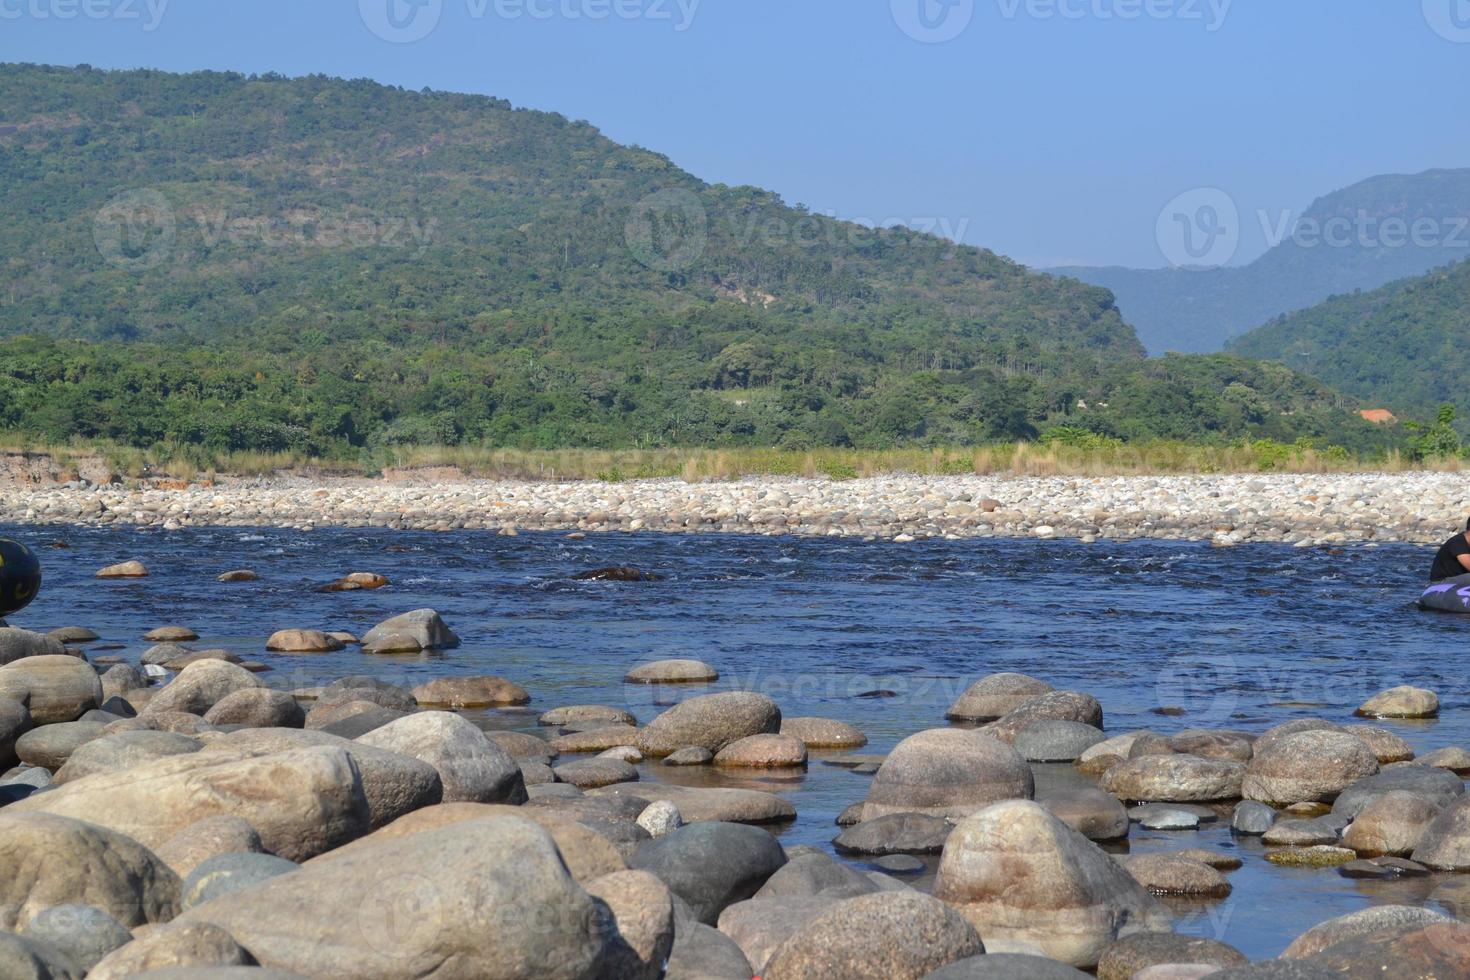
(425, 626)
(50, 746)
(257, 708)
(1393, 824)
(711, 721)
(711, 865)
(1056, 741)
(199, 686)
(83, 933)
(1355, 925)
(392, 783)
(588, 854)
(672, 672)
(24, 958)
(1127, 957)
(1401, 702)
(225, 873)
(1091, 812)
(486, 898)
(815, 874)
(1439, 786)
(641, 934)
(124, 750)
(205, 839)
(996, 696)
(1174, 779)
(175, 947)
(17, 644)
(760, 925)
(54, 688)
(898, 935)
(1008, 966)
(1055, 706)
(1445, 843)
(1306, 767)
(1022, 876)
(947, 772)
(15, 721)
(47, 861)
(1438, 950)
(301, 802)
(303, 641)
(472, 768)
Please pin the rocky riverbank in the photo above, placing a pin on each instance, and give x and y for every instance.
(215, 826)
(1296, 509)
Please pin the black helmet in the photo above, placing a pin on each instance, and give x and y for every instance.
(20, 576)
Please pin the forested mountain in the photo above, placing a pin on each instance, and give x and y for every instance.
(1405, 347)
(1372, 233)
(242, 262)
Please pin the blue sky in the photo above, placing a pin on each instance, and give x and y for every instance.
(1053, 131)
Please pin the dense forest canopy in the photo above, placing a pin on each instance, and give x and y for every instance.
(257, 262)
(1405, 347)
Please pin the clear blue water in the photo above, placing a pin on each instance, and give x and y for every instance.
(1241, 638)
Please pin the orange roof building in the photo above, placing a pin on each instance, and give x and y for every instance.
(1378, 416)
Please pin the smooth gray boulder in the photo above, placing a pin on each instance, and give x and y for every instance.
(23, 958)
(1056, 740)
(896, 833)
(199, 686)
(483, 898)
(425, 626)
(124, 750)
(50, 746)
(887, 936)
(15, 721)
(54, 688)
(1019, 874)
(1007, 966)
(225, 873)
(172, 947)
(47, 861)
(83, 933)
(816, 874)
(1306, 767)
(472, 768)
(18, 644)
(711, 722)
(257, 708)
(947, 772)
(1440, 786)
(711, 866)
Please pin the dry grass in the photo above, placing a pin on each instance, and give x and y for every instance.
(704, 465)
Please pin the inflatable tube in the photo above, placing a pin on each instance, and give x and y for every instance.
(1451, 595)
(20, 576)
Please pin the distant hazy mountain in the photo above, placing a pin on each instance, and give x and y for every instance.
(1405, 347)
(1372, 233)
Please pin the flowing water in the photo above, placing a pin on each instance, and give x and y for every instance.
(1239, 638)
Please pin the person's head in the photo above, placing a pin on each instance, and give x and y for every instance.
(1467, 527)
